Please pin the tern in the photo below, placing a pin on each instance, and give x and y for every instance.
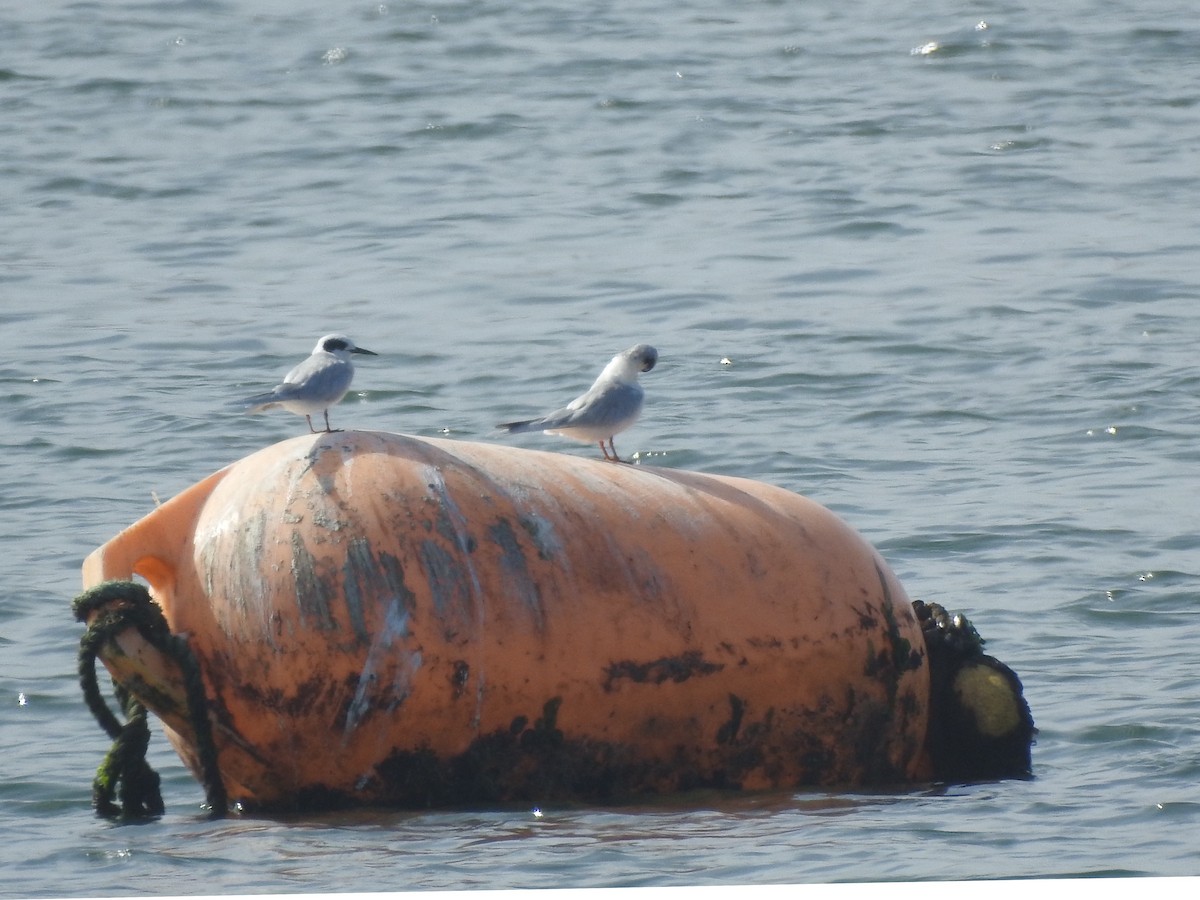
(607, 408)
(318, 383)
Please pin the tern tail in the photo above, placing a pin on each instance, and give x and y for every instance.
(258, 402)
(518, 427)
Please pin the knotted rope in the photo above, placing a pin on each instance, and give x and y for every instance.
(118, 605)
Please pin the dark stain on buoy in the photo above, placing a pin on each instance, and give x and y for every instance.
(668, 668)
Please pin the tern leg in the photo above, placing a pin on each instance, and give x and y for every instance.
(328, 429)
(308, 419)
(614, 457)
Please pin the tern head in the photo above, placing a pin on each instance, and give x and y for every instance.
(643, 356)
(340, 346)
(627, 364)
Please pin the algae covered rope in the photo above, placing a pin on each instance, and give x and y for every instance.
(115, 606)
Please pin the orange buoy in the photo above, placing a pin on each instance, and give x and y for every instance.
(384, 619)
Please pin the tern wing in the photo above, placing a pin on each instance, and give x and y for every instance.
(615, 407)
(320, 382)
(607, 406)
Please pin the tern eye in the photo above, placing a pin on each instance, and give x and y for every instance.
(335, 344)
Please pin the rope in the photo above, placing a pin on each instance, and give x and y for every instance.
(118, 605)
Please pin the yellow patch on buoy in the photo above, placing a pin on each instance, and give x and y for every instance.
(990, 697)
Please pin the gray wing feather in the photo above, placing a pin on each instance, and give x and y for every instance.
(606, 405)
(314, 380)
(323, 380)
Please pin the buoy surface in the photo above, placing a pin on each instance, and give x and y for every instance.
(395, 620)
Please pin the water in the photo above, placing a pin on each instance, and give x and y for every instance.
(957, 288)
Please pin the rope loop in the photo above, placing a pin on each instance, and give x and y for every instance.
(124, 773)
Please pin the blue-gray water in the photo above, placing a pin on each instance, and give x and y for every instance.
(959, 289)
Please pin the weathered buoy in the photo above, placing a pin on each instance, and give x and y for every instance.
(384, 619)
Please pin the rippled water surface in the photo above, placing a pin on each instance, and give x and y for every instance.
(933, 265)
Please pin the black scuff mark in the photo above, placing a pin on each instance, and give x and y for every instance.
(444, 520)
(676, 669)
(905, 657)
(545, 733)
(728, 732)
(448, 587)
(460, 676)
(516, 570)
(313, 596)
(542, 534)
(370, 578)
